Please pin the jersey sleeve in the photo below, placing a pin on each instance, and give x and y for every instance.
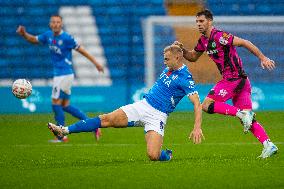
(42, 38)
(224, 38)
(199, 46)
(72, 43)
(188, 86)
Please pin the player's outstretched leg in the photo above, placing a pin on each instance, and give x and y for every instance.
(87, 125)
(74, 111)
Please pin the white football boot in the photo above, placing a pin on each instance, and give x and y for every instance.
(246, 119)
(269, 149)
(58, 131)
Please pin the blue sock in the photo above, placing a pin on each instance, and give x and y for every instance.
(75, 112)
(165, 156)
(131, 124)
(135, 124)
(87, 125)
(58, 114)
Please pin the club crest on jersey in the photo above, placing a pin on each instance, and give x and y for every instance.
(211, 48)
(175, 77)
(60, 42)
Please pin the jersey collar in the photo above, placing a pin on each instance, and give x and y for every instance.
(61, 32)
(181, 67)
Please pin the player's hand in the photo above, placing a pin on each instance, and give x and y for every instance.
(196, 136)
(267, 63)
(178, 44)
(21, 30)
(100, 68)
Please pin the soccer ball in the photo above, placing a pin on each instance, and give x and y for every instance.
(22, 88)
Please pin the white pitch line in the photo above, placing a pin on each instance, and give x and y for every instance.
(112, 145)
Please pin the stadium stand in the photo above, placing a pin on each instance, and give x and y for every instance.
(246, 7)
(119, 25)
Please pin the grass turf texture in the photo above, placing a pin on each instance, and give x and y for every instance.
(226, 159)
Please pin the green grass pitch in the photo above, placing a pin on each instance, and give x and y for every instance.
(226, 159)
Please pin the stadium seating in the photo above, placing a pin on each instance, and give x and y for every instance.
(120, 29)
(246, 7)
(21, 58)
(119, 25)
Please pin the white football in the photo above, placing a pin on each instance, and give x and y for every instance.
(22, 88)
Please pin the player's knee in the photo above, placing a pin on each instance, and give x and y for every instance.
(208, 107)
(65, 103)
(56, 101)
(204, 107)
(153, 156)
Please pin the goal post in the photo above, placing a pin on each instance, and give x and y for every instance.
(267, 32)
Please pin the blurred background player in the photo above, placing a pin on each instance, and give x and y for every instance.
(173, 84)
(235, 85)
(61, 44)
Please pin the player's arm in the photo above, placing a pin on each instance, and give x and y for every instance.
(196, 135)
(191, 56)
(22, 31)
(265, 62)
(85, 53)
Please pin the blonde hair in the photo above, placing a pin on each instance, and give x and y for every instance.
(175, 49)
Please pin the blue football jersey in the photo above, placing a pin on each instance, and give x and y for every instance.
(60, 47)
(170, 88)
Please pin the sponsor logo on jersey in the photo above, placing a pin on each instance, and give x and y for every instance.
(55, 49)
(165, 79)
(213, 51)
(223, 92)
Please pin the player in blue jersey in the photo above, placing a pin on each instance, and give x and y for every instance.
(173, 84)
(60, 44)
